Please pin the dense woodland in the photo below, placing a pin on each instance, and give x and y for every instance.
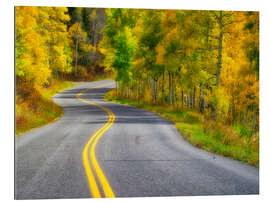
(201, 61)
(53, 45)
(207, 61)
(57, 43)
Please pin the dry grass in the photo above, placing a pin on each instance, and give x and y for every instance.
(35, 108)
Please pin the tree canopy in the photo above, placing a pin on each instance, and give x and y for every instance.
(204, 61)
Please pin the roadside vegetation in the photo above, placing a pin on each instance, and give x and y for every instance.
(54, 45)
(199, 69)
(236, 141)
(37, 108)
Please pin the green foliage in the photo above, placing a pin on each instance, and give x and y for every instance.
(119, 39)
(188, 59)
(243, 130)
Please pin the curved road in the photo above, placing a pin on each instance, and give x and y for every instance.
(140, 155)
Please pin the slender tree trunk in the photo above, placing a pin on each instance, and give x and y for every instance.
(122, 90)
(170, 89)
(137, 90)
(183, 99)
(128, 89)
(139, 96)
(94, 37)
(173, 90)
(116, 84)
(200, 99)
(222, 116)
(190, 100)
(76, 60)
(233, 109)
(187, 104)
(254, 121)
(55, 73)
(162, 87)
(172, 102)
(240, 117)
(141, 86)
(246, 115)
(194, 97)
(156, 89)
(153, 90)
(149, 82)
(219, 63)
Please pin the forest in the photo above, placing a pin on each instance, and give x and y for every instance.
(200, 65)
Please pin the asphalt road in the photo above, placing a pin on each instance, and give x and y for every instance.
(141, 155)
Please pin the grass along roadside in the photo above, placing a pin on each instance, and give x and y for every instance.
(208, 135)
(39, 109)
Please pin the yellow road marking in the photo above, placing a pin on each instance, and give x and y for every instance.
(105, 184)
(94, 139)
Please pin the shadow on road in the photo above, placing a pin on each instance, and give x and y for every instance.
(128, 114)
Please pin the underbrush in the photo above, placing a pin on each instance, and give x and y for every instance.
(36, 108)
(83, 75)
(232, 141)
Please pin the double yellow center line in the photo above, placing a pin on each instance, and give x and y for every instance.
(90, 147)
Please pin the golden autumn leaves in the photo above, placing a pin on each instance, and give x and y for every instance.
(203, 60)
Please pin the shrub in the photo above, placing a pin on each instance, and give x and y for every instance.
(242, 130)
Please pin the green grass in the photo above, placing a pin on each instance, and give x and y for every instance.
(234, 142)
(55, 88)
(39, 110)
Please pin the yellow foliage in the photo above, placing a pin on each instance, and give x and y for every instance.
(31, 57)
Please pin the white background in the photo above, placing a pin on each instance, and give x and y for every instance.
(7, 88)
